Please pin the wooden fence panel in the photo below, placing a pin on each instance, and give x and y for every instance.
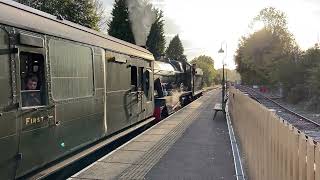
(302, 156)
(296, 154)
(274, 149)
(310, 159)
(317, 162)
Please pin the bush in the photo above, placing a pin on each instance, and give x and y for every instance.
(313, 104)
(296, 94)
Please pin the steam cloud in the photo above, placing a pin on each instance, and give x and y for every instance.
(142, 17)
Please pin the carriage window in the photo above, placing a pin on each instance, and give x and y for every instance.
(6, 93)
(134, 76)
(141, 84)
(147, 84)
(71, 70)
(32, 79)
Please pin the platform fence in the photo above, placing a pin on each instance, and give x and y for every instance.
(272, 149)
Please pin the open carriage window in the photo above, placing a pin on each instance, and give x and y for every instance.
(147, 74)
(141, 88)
(32, 79)
(134, 81)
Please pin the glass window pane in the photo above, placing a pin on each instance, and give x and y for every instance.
(71, 70)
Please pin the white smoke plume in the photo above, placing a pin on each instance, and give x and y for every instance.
(142, 16)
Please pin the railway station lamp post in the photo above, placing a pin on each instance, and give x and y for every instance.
(221, 51)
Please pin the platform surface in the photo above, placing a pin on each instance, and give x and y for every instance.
(186, 145)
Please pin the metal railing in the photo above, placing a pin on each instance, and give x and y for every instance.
(272, 148)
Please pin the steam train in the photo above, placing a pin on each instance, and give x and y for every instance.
(176, 84)
(89, 87)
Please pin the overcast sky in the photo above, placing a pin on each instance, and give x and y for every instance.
(204, 24)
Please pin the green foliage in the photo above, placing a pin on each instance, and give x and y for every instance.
(271, 56)
(313, 83)
(89, 13)
(254, 57)
(218, 78)
(206, 63)
(175, 49)
(272, 19)
(120, 25)
(311, 64)
(262, 56)
(230, 75)
(275, 21)
(299, 76)
(296, 94)
(311, 58)
(156, 39)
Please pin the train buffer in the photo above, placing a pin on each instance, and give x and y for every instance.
(186, 145)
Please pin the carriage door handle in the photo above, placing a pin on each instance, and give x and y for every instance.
(140, 93)
(50, 118)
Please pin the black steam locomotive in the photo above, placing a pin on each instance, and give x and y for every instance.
(176, 84)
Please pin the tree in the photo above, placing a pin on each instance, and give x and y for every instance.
(275, 21)
(262, 56)
(120, 25)
(89, 13)
(156, 39)
(254, 57)
(230, 75)
(206, 63)
(310, 70)
(175, 49)
(313, 84)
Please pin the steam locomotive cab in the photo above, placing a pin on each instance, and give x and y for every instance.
(197, 83)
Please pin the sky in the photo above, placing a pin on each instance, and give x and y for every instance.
(206, 25)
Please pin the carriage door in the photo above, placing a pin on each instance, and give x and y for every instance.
(35, 113)
(147, 103)
(144, 106)
(135, 95)
(8, 108)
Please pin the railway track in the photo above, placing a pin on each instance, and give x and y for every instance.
(302, 123)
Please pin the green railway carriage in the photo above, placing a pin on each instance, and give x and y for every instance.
(88, 86)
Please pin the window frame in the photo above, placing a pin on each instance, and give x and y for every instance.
(23, 49)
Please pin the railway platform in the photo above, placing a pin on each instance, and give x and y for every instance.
(186, 145)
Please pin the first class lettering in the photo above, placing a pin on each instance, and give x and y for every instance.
(33, 120)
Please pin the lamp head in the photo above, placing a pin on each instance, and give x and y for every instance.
(221, 50)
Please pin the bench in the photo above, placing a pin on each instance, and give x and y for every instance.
(217, 108)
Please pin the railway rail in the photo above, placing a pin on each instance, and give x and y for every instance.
(302, 123)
